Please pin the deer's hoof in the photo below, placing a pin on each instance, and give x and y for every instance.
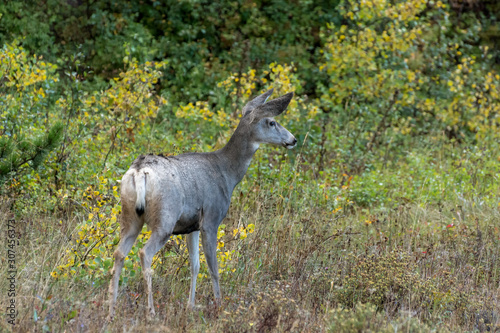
(193, 307)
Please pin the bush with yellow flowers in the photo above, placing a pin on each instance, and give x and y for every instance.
(213, 122)
(395, 75)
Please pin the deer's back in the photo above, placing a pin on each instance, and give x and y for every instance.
(180, 188)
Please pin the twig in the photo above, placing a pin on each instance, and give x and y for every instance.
(369, 146)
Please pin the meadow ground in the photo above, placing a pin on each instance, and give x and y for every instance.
(424, 262)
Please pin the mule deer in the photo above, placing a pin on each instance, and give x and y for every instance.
(190, 193)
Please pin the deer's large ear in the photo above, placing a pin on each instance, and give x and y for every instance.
(273, 108)
(257, 101)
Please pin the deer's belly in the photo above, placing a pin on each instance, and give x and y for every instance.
(187, 224)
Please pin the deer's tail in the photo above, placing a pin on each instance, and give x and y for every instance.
(140, 190)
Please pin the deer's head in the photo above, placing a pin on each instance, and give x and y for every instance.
(258, 117)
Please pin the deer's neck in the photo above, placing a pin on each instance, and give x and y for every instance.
(237, 154)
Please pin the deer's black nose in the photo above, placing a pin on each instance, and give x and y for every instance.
(291, 144)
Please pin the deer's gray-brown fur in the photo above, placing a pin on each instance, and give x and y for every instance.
(190, 193)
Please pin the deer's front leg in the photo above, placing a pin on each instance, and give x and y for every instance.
(209, 241)
(194, 258)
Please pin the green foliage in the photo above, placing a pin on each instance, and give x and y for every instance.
(426, 178)
(13, 155)
(26, 135)
(394, 75)
(203, 40)
(372, 88)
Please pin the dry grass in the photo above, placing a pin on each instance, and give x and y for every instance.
(302, 270)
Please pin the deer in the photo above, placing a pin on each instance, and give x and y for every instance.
(190, 194)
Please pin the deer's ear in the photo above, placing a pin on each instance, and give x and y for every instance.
(257, 101)
(273, 108)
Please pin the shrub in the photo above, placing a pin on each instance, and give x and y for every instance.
(366, 318)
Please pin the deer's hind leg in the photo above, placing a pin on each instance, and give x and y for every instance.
(130, 226)
(162, 226)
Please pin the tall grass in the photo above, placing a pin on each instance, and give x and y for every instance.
(329, 253)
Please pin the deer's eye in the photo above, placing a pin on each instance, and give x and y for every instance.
(272, 123)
